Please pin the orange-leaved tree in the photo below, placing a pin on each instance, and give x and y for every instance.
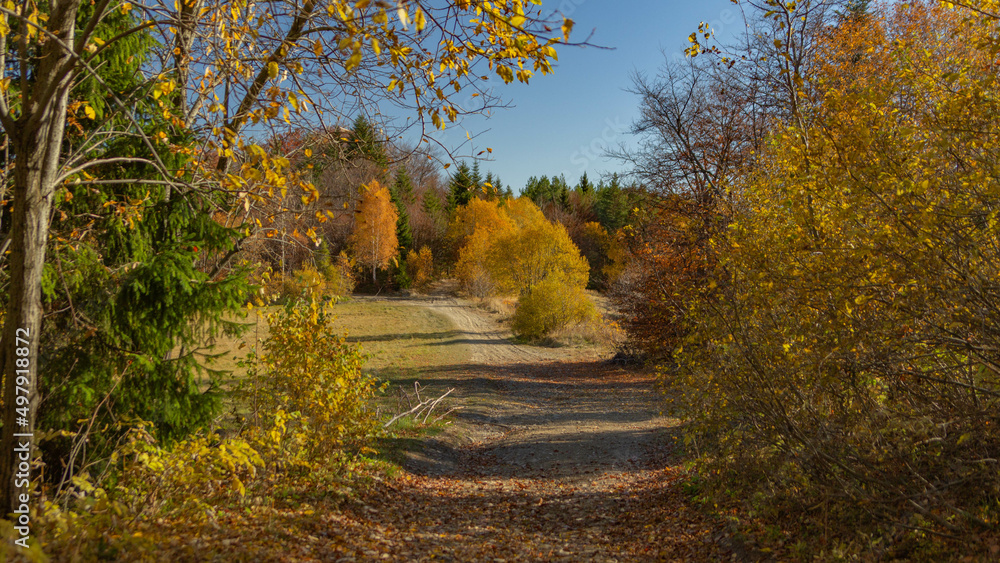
(520, 259)
(509, 246)
(374, 238)
(511, 243)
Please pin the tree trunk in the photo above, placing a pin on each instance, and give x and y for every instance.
(37, 137)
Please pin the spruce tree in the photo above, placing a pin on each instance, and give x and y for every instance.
(431, 203)
(129, 293)
(402, 193)
(585, 187)
(475, 178)
(461, 187)
(612, 205)
(368, 145)
(489, 186)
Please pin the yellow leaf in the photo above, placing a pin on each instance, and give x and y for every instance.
(567, 27)
(354, 60)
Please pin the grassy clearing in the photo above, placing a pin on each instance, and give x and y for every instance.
(405, 344)
(402, 340)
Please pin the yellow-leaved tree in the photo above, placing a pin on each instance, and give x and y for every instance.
(420, 266)
(520, 259)
(373, 241)
(510, 247)
(473, 230)
(850, 352)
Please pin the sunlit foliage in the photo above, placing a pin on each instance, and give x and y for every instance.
(847, 346)
(374, 241)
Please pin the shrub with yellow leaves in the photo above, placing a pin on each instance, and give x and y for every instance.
(550, 305)
(313, 375)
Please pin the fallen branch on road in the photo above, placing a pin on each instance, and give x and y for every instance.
(422, 408)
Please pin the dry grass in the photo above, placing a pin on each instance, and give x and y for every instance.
(603, 333)
(501, 307)
(399, 338)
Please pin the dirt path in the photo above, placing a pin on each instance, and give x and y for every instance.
(491, 345)
(562, 416)
(557, 456)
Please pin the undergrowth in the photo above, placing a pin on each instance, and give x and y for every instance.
(306, 429)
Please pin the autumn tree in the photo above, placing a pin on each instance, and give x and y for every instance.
(549, 306)
(373, 242)
(604, 252)
(420, 267)
(472, 232)
(846, 349)
(478, 215)
(122, 285)
(509, 247)
(703, 122)
(518, 259)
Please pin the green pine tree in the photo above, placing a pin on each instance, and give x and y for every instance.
(498, 188)
(403, 186)
(127, 309)
(475, 178)
(612, 205)
(585, 187)
(369, 145)
(401, 192)
(461, 187)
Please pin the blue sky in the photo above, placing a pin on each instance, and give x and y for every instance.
(562, 123)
